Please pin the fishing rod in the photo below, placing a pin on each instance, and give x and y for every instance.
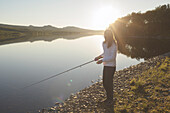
(58, 74)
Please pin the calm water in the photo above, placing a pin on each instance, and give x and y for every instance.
(27, 62)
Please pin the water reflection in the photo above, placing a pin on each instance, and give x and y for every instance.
(44, 38)
(143, 48)
(25, 63)
(137, 48)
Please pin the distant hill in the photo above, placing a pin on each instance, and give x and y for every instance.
(13, 31)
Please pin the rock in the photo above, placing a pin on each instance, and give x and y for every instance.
(57, 103)
(92, 81)
(121, 89)
(165, 93)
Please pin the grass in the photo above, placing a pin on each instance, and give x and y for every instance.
(149, 91)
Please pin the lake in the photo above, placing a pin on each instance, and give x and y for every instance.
(27, 62)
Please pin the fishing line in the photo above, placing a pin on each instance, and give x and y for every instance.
(57, 74)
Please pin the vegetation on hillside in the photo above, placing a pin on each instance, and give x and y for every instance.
(154, 23)
(143, 35)
(8, 32)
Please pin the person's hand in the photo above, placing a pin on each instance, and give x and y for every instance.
(99, 62)
(96, 58)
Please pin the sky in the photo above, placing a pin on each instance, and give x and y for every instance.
(90, 14)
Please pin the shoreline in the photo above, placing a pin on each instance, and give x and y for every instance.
(89, 98)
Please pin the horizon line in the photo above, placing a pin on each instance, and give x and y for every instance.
(27, 25)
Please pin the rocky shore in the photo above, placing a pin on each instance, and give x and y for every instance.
(140, 88)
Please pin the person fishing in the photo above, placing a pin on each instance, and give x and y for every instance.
(109, 62)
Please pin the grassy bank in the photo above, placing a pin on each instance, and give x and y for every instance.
(148, 91)
(140, 88)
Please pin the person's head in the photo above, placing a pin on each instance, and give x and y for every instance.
(109, 38)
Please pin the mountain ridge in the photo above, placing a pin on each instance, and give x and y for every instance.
(45, 26)
(16, 31)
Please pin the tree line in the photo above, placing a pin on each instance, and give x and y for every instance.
(153, 23)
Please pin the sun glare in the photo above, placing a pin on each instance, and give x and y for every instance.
(105, 16)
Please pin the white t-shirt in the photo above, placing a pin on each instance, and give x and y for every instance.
(109, 55)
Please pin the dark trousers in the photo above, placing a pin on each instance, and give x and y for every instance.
(108, 73)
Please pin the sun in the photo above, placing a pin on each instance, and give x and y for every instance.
(105, 16)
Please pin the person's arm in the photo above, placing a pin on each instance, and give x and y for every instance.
(112, 56)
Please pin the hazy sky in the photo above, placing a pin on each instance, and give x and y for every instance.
(92, 14)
